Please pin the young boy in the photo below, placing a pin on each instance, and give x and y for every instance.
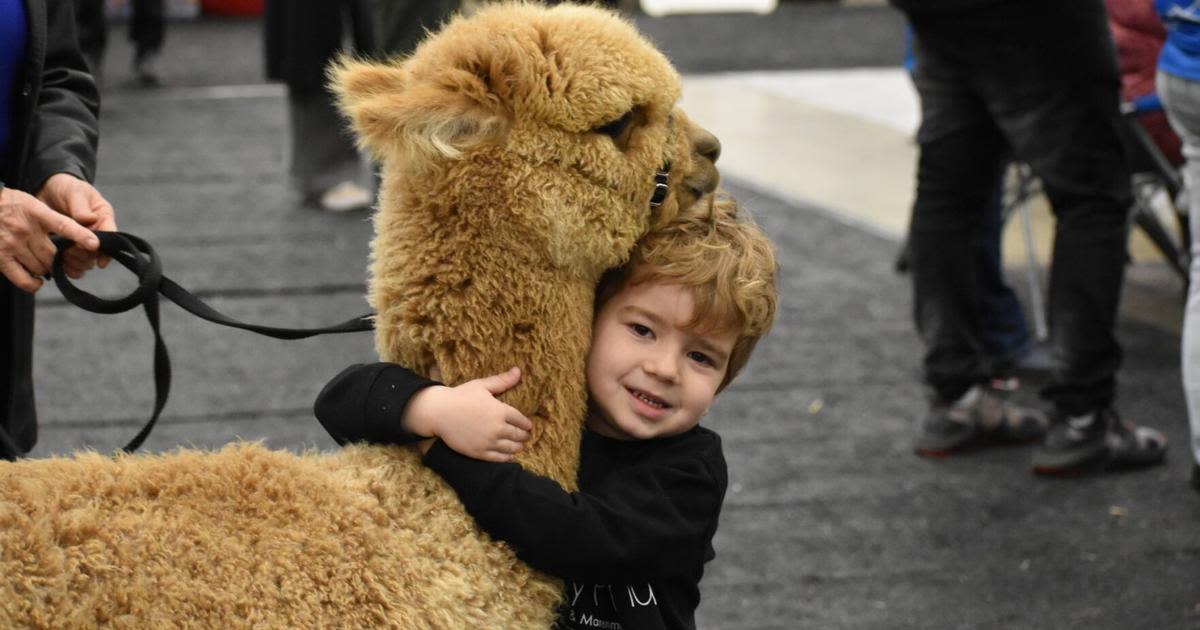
(671, 330)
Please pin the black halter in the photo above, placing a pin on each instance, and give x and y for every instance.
(661, 177)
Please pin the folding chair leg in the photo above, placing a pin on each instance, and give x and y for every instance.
(1037, 301)
(1145, 219)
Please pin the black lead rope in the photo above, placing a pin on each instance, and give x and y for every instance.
(136, 255)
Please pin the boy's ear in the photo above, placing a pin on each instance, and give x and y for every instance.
(397, 114)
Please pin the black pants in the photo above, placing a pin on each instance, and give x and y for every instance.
(147, 27)
(18, 419)
(1040, 79)
(400, 26)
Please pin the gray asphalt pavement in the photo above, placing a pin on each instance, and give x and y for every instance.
(830, 521)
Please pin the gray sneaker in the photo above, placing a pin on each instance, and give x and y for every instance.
(1097, 441)
(145, 69)
(979, 417)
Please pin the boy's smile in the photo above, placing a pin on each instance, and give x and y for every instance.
(647, 374)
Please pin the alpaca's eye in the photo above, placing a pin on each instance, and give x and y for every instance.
(617, 127)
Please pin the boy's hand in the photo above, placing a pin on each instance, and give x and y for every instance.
(469, 418)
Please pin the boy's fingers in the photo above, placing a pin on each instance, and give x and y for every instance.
(496, 457)
(502, 382)
(507, 446)
(517, 419)
(516, 434)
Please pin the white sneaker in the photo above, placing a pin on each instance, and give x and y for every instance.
(145, 70)
(345, 197)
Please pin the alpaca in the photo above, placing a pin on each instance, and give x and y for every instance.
(522, 148)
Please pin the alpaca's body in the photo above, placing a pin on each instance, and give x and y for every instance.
(363, 538)
(501, 207)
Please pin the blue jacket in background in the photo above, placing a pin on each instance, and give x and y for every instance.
(1181, 52)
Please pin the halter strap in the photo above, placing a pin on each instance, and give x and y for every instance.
(136, 255)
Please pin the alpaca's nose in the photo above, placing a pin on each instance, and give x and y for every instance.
(707, 145)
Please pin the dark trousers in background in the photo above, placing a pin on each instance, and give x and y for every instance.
(321, 151)
(18, 414)
(1038, 78)
(401, 24)
(1002, 322)
(91, 26)
(147, 27)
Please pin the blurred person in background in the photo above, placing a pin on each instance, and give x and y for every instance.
(1005, 336)
(401, 24)
(147, 31)
(1139, 35)
(301, 38)
(1040, 79)
(48, 138)
(1179, 85)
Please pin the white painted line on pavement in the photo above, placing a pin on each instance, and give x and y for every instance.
(201, 93)
(882, 95)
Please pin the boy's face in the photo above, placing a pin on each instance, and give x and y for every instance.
(648, 376)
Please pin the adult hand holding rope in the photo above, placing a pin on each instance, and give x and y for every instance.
(81, 201)
(26, 252)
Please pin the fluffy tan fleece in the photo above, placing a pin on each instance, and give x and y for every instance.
(501, 206)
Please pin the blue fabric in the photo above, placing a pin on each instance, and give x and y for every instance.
(12, 57)
(1147, 104)
(910, 60)
(1181, 52)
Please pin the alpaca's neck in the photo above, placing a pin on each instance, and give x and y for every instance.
(475, 298)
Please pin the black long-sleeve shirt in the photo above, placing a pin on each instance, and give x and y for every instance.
(631, 543)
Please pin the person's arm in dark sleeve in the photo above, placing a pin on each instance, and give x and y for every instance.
(642, 525)
(65, 124)
(364, 403)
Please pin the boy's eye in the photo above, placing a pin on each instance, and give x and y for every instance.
(700, 357)
(640, 330)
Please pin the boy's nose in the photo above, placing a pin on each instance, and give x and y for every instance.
(663, 366)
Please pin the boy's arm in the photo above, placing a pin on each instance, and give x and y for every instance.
(364, 403)
(384, 403)
(642, 523)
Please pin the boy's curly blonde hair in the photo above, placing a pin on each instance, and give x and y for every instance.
(724, 258)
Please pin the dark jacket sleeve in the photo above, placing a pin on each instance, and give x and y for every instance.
(364, 403)
(64, 129)
(642, 523)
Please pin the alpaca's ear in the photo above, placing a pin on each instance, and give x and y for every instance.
(396, 114)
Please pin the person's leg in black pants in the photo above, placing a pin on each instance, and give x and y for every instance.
(962, 155)
(18, 416)
(1047, 77)
(1004, 333)
(959, 163)
(91, 25)
(147, 30)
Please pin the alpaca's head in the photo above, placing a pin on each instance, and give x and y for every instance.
(552, 121)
